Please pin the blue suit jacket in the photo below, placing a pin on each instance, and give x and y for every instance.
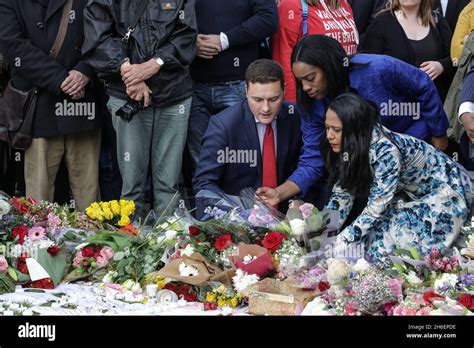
(235, 129)
(467, 94)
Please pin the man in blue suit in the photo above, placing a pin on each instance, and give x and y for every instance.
(255, 142)
(466, 117)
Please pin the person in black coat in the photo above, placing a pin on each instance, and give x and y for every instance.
(453, 9)
(66, 124)
(386, 35)
(363, 11)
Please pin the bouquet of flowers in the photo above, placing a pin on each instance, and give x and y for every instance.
(29, 239)
(92, 257)
(114, 213)
(223, 297)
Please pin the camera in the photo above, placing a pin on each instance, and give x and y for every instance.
(130, 109)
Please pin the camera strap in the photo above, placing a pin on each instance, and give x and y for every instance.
(140, 10)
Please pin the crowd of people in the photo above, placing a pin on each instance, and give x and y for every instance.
(363, 106)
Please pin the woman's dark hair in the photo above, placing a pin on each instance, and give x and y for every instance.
(327, 54)
(351, 166)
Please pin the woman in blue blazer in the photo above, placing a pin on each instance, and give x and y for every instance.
(405, 97)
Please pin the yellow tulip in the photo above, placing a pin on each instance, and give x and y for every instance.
(211, 297)
(115, 206)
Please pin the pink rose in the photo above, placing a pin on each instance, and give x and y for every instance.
(438, 264)
(78, 260)
(100, 261)
(307, 210)
(107, 253)
(3, 265)
(445, 260)
(448, 268)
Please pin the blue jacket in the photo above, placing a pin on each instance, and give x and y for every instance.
(234, 129)
(386, 82)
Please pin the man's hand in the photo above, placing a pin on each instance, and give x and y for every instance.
(441, 143)
(467, 120)
(133, 74)
(79, 95)
(433, 69)
(208, 46)
(269, 196)
(140, 91)
(74, 83)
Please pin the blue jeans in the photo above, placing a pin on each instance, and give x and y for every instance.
(209, 100)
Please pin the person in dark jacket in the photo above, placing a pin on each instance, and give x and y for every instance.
(450, 9)
(153, 68)
(65, 122)
(254, 142)
(228, 41)
(363, 11)
(417, 36)
(466, 118)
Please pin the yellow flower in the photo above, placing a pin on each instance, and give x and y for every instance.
(108, 214)
(124, 221)
(161, 284)
(145, 300)
(95, 206)
(234, 302)
(115, 206)
(221, 302)
(211, 297)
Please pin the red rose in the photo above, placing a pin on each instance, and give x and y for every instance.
(46, 283)
(53, 250)
(223, 242)
(467, 301)
(272, 240)
(21, 265)
(87, 252)
(193, 230)
(431, 296)
(21, 232)
(323, 286)
(31, 201)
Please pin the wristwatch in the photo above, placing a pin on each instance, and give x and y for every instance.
(159, 61)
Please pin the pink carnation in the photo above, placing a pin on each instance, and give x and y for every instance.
(424, 311)
(395, 286)
(107, 253)
(3, 265)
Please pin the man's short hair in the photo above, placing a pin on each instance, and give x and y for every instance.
(265, 71)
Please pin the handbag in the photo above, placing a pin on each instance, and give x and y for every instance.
(18, 109)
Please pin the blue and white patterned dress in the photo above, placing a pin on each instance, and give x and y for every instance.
(419, 198)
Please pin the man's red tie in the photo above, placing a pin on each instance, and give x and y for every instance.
(269, 177)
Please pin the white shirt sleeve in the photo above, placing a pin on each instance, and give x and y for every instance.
(467, 106)
(224, 41)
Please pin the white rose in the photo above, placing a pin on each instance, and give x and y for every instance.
(337, 271)
(297, 226)
(108, 278)
(127, 285)
(413, 279)
(170, 234)
(189, 250)
(361, 265)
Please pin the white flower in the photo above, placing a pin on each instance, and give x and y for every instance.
(188, 271)
(188, 251)
(127, 285)
(317, 307)
(108, 278)
(361, 266)
(136, 288)
(16, 250)
(469, 250)
(242, 280)
(338, 270)
(170, 234)
(447, 282)
(297, 227)
(413, 279)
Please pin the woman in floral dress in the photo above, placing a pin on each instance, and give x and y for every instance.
(417, 196)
